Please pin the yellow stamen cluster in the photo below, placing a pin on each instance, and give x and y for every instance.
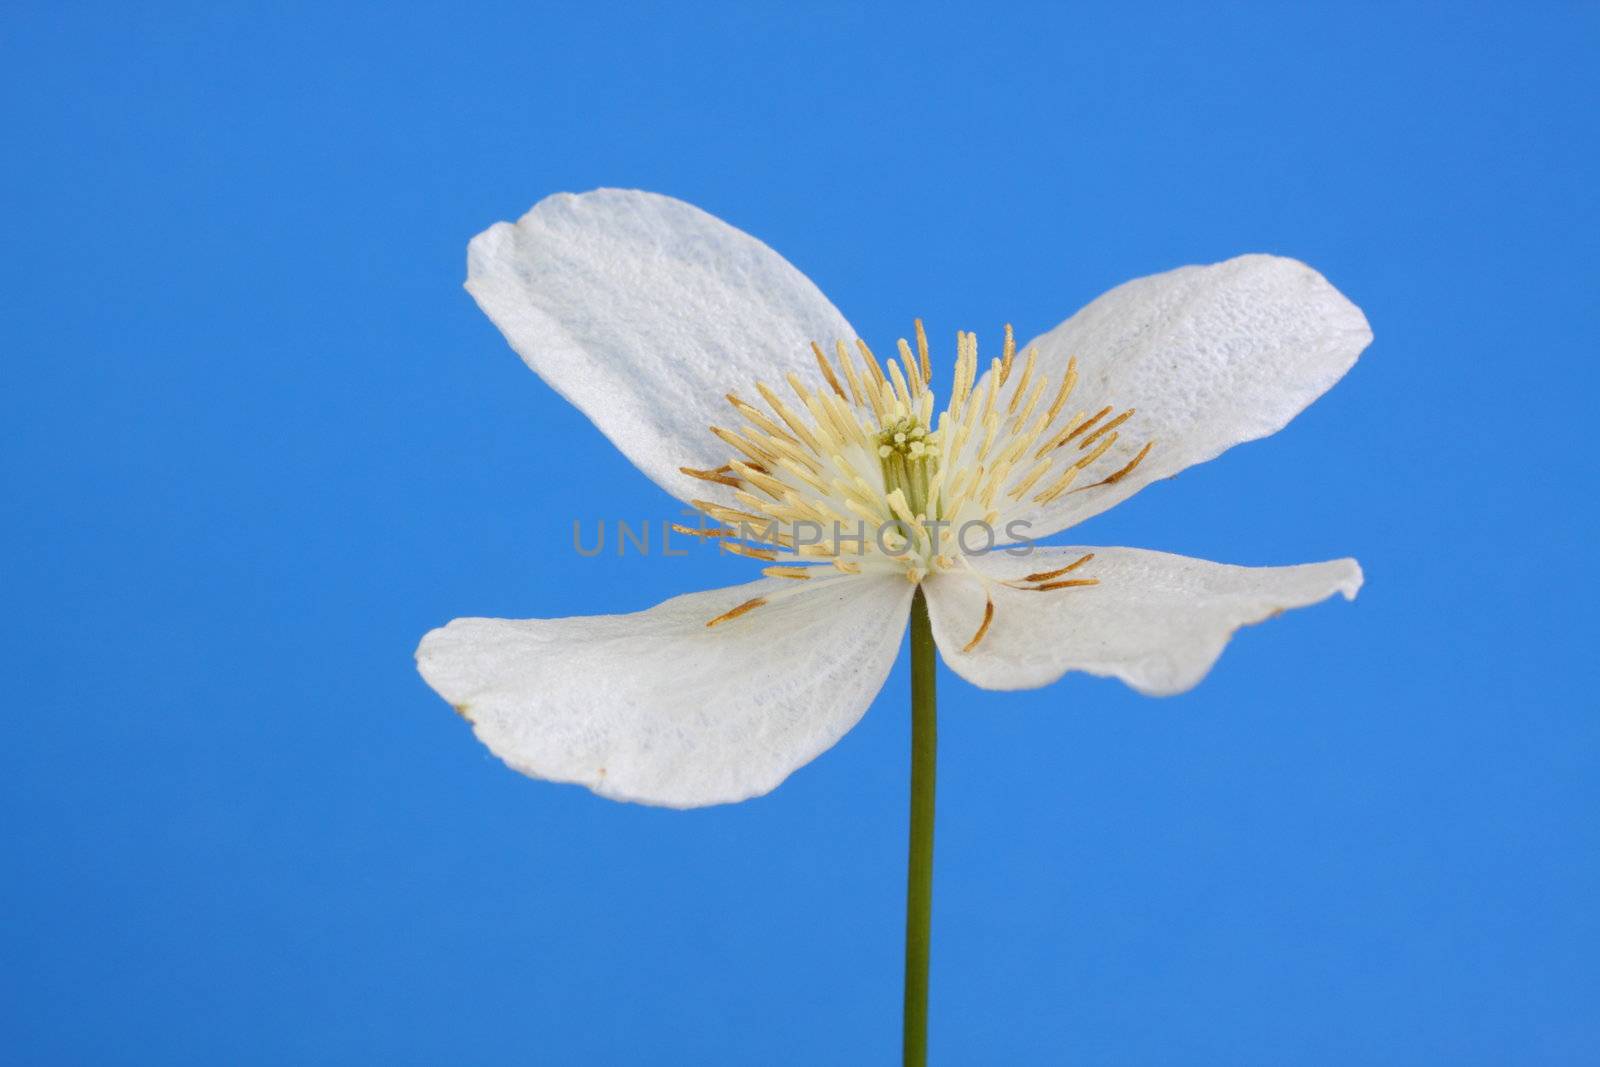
(856, 473)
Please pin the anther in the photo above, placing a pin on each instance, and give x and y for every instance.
(1045, 576)
(1125, 471)
(710, 476)
(1090, 421)
(922, 353)
(983, 627)
(827, 371)
(746, 607)
(1071, 583)
(1112, 425)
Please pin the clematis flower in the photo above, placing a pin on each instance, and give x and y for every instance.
(730, 380)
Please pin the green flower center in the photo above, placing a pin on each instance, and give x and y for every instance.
(909, 454)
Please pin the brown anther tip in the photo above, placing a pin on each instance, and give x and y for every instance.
(738, 549)
(1045, 576)
(1108, 427)
(1090, 421)
(1125, 471)
(711, 476)
(1117, 476)
(691, 531)
(1071, 583)
(747, 606)
(983, 627)
(827, 371)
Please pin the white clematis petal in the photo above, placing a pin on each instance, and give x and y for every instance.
(658, 708)
(1155, 620)
(644, 311)
(1208, 356)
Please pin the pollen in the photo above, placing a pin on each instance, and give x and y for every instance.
(856, 469)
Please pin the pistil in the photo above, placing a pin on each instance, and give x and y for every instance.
(909, 454)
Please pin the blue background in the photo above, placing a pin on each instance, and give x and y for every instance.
(258, 440)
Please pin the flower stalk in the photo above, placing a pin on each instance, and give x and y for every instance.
(919, 866)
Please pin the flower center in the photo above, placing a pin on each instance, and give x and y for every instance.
(856, 474)
(909, 454)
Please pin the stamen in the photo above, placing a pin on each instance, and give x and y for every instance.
(1112, 425)
(1072, 583)
(901, 390)
(739, 444)
(1069, 381)
(762, 423)
(1099, 451)
(1022, 382)
(783, 449)
(731, 516)
(766, 483)
(991, 425)
(738, 549)
(966, 366)
(1057, 487)
(827, 371)
(983, 627)
(897, 504)
(1028, 480)
(1073, 427)
(1096, 417)
(790, 419)
(872, 363)
(1045, 576)
(1125, 471)
(1031, 402)
(993, 393)
(865, 444)
(711, 531)
(922, 353)
(842, 352)
(710, 476)
(747, 606)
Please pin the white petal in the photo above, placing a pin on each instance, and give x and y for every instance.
(1157, 621)
(644, 312)
(656, 707)
(1208, 356)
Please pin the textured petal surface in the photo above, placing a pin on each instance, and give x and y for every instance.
(1157, 621)
(1208, 356)
(644, 311)
(657, 708)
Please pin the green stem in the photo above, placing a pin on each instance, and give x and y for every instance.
(919, 867)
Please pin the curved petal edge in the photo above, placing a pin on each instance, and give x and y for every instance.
(658, 708)
(1207, 358)
(1156, 621)
(644, 311)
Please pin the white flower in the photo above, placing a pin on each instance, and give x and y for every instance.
(661, 322)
